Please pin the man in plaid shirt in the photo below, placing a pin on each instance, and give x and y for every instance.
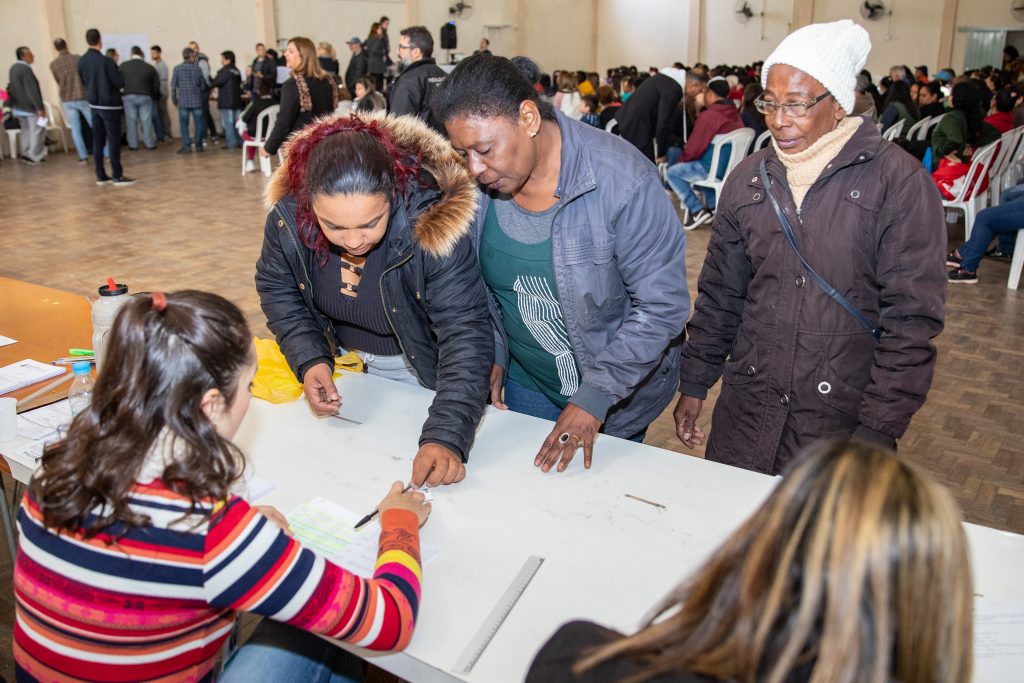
(72, 95)
(188, 91)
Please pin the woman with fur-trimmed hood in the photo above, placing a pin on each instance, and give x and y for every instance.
(366, 248)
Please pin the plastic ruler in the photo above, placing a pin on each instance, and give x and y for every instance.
(497, 617)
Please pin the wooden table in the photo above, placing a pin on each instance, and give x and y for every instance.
(46, 323)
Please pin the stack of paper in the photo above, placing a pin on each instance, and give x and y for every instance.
(329, 530)
(43, 426)
(21, 374)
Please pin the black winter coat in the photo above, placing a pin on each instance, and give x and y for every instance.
(432, 290)
(413, 89)
(358, 66)
(103, 80)
(649, 114)
(376, 53)
(291, 118)
(796, 366)
(228, 82)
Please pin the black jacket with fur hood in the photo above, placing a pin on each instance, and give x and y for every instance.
(432, 290)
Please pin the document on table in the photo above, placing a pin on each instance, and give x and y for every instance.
(21, 374)
(998, 640)
(54, 417)
(4, 341)
(328, 529)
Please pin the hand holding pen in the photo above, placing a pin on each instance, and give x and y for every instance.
(401, 498)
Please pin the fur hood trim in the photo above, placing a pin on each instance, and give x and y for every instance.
(438, 229)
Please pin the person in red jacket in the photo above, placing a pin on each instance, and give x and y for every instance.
(1003, 103)
(720, 116)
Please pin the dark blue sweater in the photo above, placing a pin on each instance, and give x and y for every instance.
(103, 81)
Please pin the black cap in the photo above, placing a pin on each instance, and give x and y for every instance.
(105, 290)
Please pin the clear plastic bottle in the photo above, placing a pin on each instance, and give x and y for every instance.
(80, 393)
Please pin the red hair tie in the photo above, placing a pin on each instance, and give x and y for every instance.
(159, 301)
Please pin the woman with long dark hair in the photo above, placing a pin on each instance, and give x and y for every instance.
(856, 568)
(138, 551)
(898, 106)
(377, 54)
(752, 118)
(963, 129)
(366, 248)
(309, 93)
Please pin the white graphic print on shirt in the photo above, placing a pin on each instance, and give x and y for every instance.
(543, 317)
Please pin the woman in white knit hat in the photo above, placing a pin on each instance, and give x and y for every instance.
(824, 283)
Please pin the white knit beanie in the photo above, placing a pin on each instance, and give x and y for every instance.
(832, 53)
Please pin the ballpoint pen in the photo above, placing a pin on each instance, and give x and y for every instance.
(366, 520)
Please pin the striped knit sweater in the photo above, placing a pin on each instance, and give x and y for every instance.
(159, 602)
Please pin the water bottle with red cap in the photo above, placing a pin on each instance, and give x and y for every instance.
(112, 296)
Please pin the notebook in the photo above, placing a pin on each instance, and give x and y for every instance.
(21, 374)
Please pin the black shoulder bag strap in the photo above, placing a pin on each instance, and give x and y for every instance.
(787, 228)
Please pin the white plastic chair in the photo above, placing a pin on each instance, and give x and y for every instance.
(612, 126)
(894, 130)
(1017, 263)
(264, 124)
(969, 195)
(927, 128)
(12, 141)
(51, 124)
(915, 130)
(1000, 164)
(1015, 164)
(740, 141)
(763, 140)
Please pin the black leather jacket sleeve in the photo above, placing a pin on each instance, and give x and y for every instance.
(299, 334)
(456, 301)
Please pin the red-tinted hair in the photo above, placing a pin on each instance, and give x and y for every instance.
(402, 168)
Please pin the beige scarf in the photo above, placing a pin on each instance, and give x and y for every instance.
(803, 168)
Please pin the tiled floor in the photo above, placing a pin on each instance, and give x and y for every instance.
(195, 222)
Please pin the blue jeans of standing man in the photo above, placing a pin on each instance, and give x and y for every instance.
(74, 111)
(679, 178)
(200, 125)
(281, 653)
(139, 109)
(228, 117)
(1004, 220)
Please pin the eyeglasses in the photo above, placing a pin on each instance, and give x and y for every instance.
(793, 111)
(405, 47)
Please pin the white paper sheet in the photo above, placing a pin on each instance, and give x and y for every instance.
(55, 416)
(326, 528)
(998, 640)
(4, 341)
(26, 372)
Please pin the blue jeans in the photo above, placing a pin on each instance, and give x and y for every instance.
(520, 399)
(197, 120)
(673, 155)
(278, 652)
(74, 110)
(227, 121)
(139, 109)
(1003, 220)
(679, 178)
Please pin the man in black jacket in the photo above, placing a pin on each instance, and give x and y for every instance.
(647, 116)
(358, 66)
(141, 90)
(421, 76)
(103, 83)
(229, 98)
(263, 67)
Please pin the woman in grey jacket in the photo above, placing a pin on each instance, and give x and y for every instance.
(583, 256)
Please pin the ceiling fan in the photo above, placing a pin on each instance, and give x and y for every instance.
(461, 10)
(872, 10)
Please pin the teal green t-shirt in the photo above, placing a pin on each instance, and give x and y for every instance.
(523, 280)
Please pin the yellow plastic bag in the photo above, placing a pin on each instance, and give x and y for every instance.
(274, 381)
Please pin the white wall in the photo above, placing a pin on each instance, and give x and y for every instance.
(338, 20)
(980, 14)
(651, 33)
(724, 40)
(24, 24)
(911, 37)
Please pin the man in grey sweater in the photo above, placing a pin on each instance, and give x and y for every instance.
(27, 106)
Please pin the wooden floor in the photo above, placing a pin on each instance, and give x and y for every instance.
(194, 222)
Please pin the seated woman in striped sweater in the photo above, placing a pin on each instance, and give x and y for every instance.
(135, 554)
